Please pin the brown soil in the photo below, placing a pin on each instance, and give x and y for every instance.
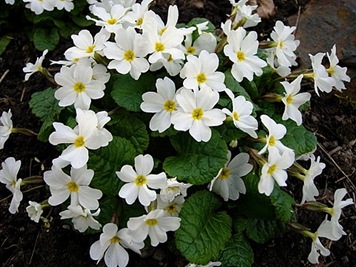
(25, 243)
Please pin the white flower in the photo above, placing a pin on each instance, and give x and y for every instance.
(155, 225)
(78, 86)
(309, 188)
(39, 6)
(210, 264)
(86, 45)
(6, 127)
(336, 72)
(285, 45)
(83, 137)
(205, 41)
(127, 53)
(31, 68)
(200, 72)
(173, 189)
(275, 170)
(244, 14)
(11, 2)
(162, 103)
(68, 5)
(197, 113)
(275, 133)
(228, 183)
(139, 180)
(8, 176)
(75, 186)
(139, 14)
(111, 246)
(321, 78)
(34, 211)
(111, 20)
(241, 50)
(292, 100)
(173, 66)
(241, 114)
(171, 208)
(82, 218)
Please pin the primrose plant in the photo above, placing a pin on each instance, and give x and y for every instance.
(164, 127)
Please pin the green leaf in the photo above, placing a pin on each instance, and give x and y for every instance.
(4, 42)
(283, 203)
(229, 132)
(237, 253)
(107, 160)
(132, 128)
(298, 138)
(46, 38)
(235, 86)
(203, 231)
(196, 163)
(127, 92)
(261, 231)
(82, 21)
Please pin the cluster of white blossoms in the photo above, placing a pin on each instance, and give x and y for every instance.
(38, 7)
(134, 40)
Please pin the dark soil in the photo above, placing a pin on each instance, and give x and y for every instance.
(25, 243)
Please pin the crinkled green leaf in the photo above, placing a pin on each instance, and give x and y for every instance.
(203, 231)
(283, 203)
(131, 128)
(107, 160)
(46, 38)
(261, 231)
(230, 132)
(127, 92)
(196, 162)
(237, 253)
(235, 86)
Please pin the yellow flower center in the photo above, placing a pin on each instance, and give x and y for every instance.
(151, 222)
(79, 87)
(129, 55)
(169, 106)
(289, 99)
(272, 141)
(139, 21)
(79, 141)
(197, 114)
(140, 180)
(72, 187)
(191, 50)
(280, 45)
(111, 21)
(240, 56)
(115, 239)
(162, 30)
(331, 71)
(235, 115)
(201, 78)
(90, 49)
(171, 208)
(159, 47)
(272, 169)
(225, 173)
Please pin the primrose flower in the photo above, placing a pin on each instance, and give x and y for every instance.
(139, 14)
(284, 44)
(64, 4)
(112, 244)
(75, 186)
(155, 224)
(244, 16)
(196, 113)
(228, 183)
(336, 72)
(162, 103)
(78, 86)
(8, 176)
(83, 137)
(321, 78)
(6, 127)
(86, 45)
(205, 41)
(31, 68)
(34, 211)
(10, 2)
(292, 100)
(275, 133)
(200, 72)
(171, 208)
(82, 218)
(173, 66)
(309, 188)
(209, 264)
(173, 189)
(127, 53)
(275, 170)
(139, 180)
(39, 6)
(241, 114)
(110, 20)
(241, 50)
